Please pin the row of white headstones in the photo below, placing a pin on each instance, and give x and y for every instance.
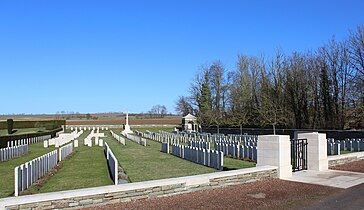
(62, 139)
(88, 140)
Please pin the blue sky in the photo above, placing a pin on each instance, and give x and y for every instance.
(109, 56)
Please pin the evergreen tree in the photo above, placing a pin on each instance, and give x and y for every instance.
(204, 104)
(10, 124)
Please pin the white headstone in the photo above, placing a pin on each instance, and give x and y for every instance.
(75, 143)
(101, 143)
(45, 144)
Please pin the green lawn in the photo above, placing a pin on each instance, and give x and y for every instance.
(148, 163)
(153, 129)
(18, 131)
(7, 168)
(232, 164)
(345, 152)
(87, 168)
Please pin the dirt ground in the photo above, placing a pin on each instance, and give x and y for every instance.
(357, 166)
(266, 194)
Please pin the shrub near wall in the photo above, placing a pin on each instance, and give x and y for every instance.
(10, 125)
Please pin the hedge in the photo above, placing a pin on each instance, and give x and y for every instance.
(5, 139)
(48, 124)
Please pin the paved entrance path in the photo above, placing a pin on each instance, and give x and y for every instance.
(351, 198)
(332, 178)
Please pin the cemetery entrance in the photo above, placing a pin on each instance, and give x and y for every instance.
(299, 154)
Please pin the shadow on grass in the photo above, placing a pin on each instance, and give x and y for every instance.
(229, 169)
(13, 131)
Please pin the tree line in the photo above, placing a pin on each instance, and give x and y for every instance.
(316, 89)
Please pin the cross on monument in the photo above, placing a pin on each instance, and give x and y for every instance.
(127, 127)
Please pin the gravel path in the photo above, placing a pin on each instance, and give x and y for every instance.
(267, 194)
(357, 166)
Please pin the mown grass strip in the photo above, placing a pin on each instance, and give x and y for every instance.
(7, 168)
(87, 168)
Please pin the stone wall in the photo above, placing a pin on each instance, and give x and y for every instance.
(75, 199)
(345, 158)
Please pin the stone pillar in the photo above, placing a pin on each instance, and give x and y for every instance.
(275, 150)
(316, 150)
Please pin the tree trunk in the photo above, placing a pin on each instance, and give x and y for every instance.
(274, 129)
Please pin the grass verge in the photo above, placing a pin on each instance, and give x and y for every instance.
(87, 168)
(153, 129)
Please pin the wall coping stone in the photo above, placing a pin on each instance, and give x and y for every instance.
(343, 156)
(186, 180)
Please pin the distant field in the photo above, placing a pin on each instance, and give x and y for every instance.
(100, 119)
(90, 117)
(160, 121)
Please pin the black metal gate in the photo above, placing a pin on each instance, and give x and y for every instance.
(299, 154)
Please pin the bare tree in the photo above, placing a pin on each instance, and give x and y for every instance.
(158, 111)
(271, 110)
(320, 88)
(356, 49)
(183, 106)
(217, 84)
(240, 93)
